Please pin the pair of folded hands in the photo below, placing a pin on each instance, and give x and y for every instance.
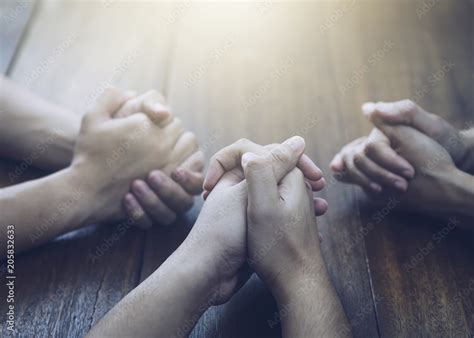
(412, 155)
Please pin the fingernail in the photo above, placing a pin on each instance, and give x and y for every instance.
(177, 175)
(375, 187)
(308, 185)
(296, 143)
(368, 108)
(408, 173)
(401, 185)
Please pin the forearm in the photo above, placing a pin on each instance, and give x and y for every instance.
(34, 130)
(44, 208)
(166, 304)
(309, 306)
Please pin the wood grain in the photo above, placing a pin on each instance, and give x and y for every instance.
(421, 268)
(253, 77)
(72, 51)
(15, 16)
(265, 71)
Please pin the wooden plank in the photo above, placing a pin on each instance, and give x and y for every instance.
(71, 52)
(268, 72)
(421, 269)
(14, 20)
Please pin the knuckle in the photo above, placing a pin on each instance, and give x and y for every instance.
(257, 162)
(242, 142)
(281, 154)
(408, 105)
(408, 109)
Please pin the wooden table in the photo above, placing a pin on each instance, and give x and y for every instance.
(264, 71)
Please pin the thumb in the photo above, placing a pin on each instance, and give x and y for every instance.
(261, 182)
(285, 156)
(105, 106)
(390, 131)
(408, 113)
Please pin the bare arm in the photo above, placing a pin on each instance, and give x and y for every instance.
(35, 130)
(283, 249)
(308, 304)
(166, 304)
(92, 187)
(37, 133)
(44, 208)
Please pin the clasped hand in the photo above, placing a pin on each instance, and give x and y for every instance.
(411, 155)
(259, 210)
(133, 142)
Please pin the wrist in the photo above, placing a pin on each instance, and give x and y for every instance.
(461, 193)
(297, 278)
(203, 267)
(104, 190)
(82, 175)
(188, 272)
(78, 198)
